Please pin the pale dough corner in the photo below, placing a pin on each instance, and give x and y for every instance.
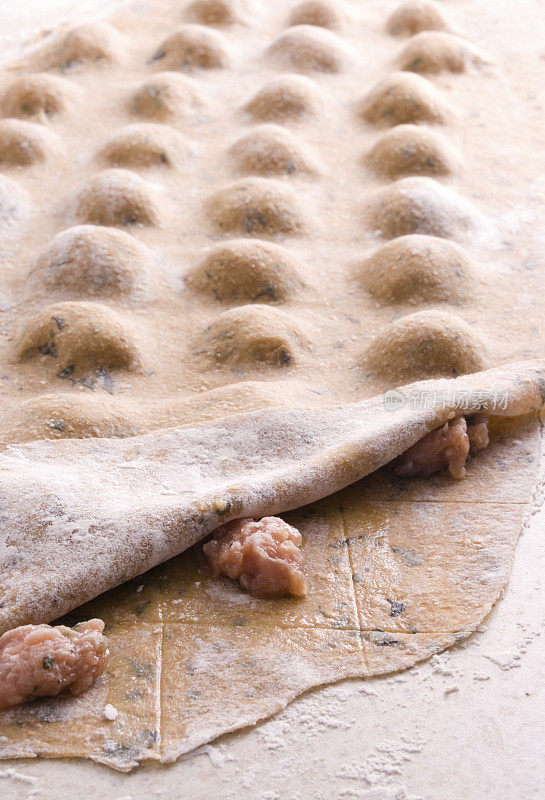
(163, 623)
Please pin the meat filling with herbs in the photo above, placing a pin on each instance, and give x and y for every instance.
(448, 446)
(37, 660)
(265, 556)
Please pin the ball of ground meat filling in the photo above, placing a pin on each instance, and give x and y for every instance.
(447, 446)
(265, 556)
(37, 660)
(477, 431)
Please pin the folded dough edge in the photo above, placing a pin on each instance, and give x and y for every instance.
(80, 516)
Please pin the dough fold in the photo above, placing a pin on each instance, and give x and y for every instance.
(82, 516)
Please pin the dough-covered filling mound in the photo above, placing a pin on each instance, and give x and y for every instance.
(448, 446)
(37, 660)
(264, 556)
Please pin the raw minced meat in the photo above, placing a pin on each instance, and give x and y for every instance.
(477, 431)
(448, 446)
(38, 660)
(265, 556)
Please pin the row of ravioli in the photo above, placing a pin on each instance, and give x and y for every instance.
(309, 43)
(426, 266)
(419, 266)
(96, 262)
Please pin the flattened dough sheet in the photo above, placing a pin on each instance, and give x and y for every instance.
(82, 516)
(205, 241)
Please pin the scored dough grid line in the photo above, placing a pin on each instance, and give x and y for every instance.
(347, 628)
(159, 684)
(355, 599)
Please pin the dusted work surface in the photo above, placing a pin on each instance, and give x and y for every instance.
(467, 724)
(384, 755)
